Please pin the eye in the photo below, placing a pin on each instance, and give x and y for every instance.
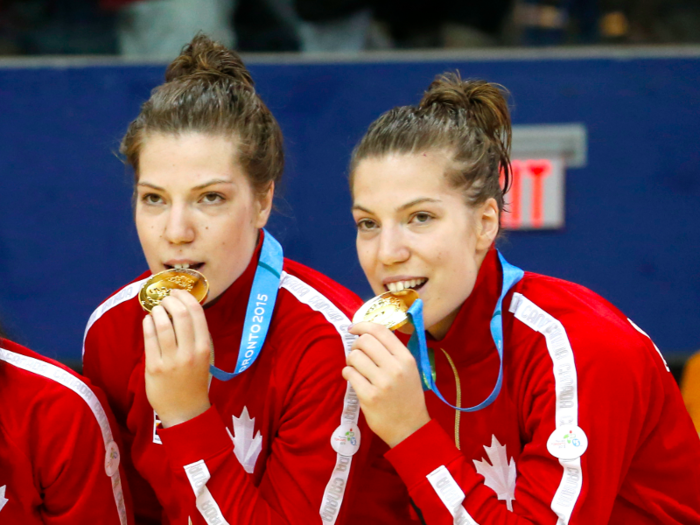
(421, 217)
(365, 225)
(212, 198)
(152, 199)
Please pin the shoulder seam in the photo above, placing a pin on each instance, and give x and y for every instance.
(128, 292)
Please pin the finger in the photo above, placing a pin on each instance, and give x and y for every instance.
(362, 363)
(375, 350)
(164, 332)
(385, 336)
(202, 339)
(150, 344)
(362, 387)
(181, 322)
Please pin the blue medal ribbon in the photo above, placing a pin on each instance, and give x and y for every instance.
(261, 304)
(419, 347)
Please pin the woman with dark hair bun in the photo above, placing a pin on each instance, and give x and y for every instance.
(234, 411)
(517, 398)
(59, 455)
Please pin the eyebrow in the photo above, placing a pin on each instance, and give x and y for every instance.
(196, 188)
(403, 207)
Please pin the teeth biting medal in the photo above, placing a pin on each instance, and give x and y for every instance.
(394, 309)
(159, 286)
(388, 309)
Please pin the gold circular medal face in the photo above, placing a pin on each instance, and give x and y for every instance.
(161, 284)
(388, 309)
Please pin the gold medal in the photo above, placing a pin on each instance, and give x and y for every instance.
(388, 309)
(159, 286)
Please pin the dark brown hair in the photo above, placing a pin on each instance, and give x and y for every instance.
(207, 89)
(467, 118)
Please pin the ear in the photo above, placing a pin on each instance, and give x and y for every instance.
(264, 206)
(487, 224)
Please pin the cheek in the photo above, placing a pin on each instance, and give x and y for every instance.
(144, 229)
(229, 239)
(454, 264)
(364, 254)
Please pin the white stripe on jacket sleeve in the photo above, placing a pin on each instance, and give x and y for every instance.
(335, 489)
(566, 391)
(451, 495)
(198, 475)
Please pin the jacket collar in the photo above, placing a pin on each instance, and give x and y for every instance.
(469, 338)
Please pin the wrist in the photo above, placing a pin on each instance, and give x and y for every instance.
(398, 437)
(170, 419)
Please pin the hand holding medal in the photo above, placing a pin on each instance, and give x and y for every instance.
(177, 344)
(382, 370)
(179, 357)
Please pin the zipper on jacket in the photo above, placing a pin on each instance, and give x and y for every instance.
(458, 389)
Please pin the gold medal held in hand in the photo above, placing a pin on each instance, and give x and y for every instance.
(388, 309)
(159, 286)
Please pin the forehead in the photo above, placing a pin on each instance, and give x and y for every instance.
(400, 178)
(186, 158)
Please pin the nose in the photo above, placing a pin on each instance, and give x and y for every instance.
(393, 248)
(179, 228)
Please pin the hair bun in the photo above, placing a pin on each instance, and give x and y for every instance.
(207, 59)
(485, 104)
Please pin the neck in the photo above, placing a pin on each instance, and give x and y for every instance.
(440, 329)
(211, 302)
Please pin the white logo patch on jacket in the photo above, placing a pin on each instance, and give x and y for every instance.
(246, 447)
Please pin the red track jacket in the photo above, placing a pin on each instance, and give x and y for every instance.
(59, 462)
(281, 412)
(573, 361)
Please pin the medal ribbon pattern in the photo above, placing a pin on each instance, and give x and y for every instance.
(261, 304)
(419, 347)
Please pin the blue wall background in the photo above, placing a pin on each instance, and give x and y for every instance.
(632, 230)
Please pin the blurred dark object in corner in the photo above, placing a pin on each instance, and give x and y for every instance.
(262, 26)
(55, 27)
(327, 10)
(443, 23)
